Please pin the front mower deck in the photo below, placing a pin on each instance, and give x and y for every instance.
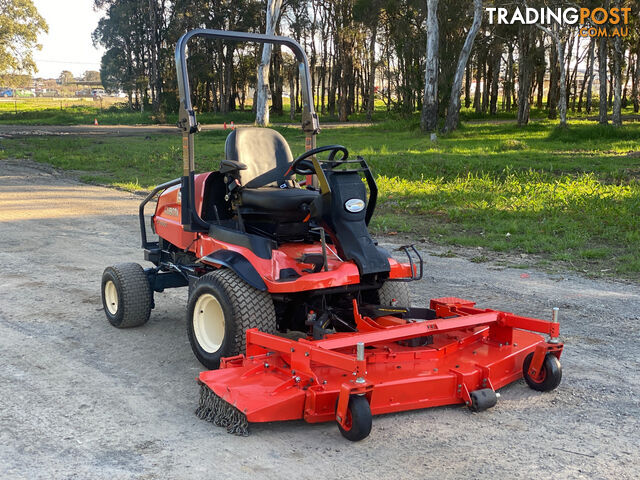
(463, 355)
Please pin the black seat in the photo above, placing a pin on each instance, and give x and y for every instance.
(277, 199)
(266, 180)
(265, 153)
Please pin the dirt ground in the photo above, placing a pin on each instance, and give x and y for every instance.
(80, 399)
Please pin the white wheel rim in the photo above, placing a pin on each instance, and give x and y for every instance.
(111, 297)
(208, 323)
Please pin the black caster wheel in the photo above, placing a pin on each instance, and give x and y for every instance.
(482, 399)
(550, 376)
(358, 421)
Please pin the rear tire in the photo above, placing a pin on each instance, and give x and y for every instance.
(390, 293)
(221, 308)
(126, 295)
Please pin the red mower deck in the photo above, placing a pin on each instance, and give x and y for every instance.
(464, 355)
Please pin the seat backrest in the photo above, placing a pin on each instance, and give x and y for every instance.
(265, 153)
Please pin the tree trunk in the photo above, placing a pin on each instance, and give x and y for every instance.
(486, 84)
(525, 74)
(467, 86)
(493, 107)
(540, 72)
(617, 82)
(371, 102)
(262, 107)
(453, 112)
(588, 74)
(477, 94)
(635, 85)
(562, 103)
(560, 45)
(276, 92)
(292, 95)
(429, 117)
(602, 71)
(627, 77)
(554, 75)
(509, 84)
(574, 77)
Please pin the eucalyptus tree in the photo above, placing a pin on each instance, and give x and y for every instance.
(20, 25)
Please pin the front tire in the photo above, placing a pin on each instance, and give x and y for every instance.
(221, 308)
(391, 294)
(126, 295)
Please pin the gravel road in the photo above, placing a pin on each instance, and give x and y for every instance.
(81, 399)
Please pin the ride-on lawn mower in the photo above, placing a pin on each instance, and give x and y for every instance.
(267, 246)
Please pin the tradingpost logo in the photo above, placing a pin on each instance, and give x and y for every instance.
(594, 22)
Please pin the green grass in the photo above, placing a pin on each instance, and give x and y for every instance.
(72, 111)
(571, 196)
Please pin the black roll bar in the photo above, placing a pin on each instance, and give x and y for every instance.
(187, 118)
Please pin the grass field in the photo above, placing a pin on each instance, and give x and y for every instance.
(569, 196)
(113, 111)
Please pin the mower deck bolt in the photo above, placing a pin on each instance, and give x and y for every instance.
(266, 365)
(293, 349)
(297, 379)
(306, 354)
(293, 372)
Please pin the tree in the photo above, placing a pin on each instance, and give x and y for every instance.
(559, 43)
(617, 78)
(453, 112)
(602, 74)
(429, 117)
(262, 108)
(65, 77)
(20, 25)
(91, 76)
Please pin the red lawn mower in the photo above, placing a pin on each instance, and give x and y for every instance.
(273, 247)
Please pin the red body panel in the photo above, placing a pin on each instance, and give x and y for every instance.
(281, 379)
(167, 224)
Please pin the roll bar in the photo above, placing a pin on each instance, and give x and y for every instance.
(187, 118)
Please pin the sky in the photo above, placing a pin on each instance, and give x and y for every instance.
(68, 45)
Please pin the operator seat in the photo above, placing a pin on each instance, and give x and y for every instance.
(267, 181)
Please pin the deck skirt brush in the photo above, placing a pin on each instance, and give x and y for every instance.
(214, 409)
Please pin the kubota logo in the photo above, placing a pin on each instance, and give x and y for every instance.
(595, 22)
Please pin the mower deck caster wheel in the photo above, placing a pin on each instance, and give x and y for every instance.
(550, 376)
(359, 419)
(126, 295)
(482, 399)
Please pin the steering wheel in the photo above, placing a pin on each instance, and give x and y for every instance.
(302, 166)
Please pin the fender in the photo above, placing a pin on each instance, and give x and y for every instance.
(239, 264)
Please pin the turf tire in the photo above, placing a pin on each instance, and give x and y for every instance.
(390, 291)
(243, 307)
(133, 293)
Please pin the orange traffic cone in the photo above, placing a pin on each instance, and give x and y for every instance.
(95, 122)
(225, 125)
